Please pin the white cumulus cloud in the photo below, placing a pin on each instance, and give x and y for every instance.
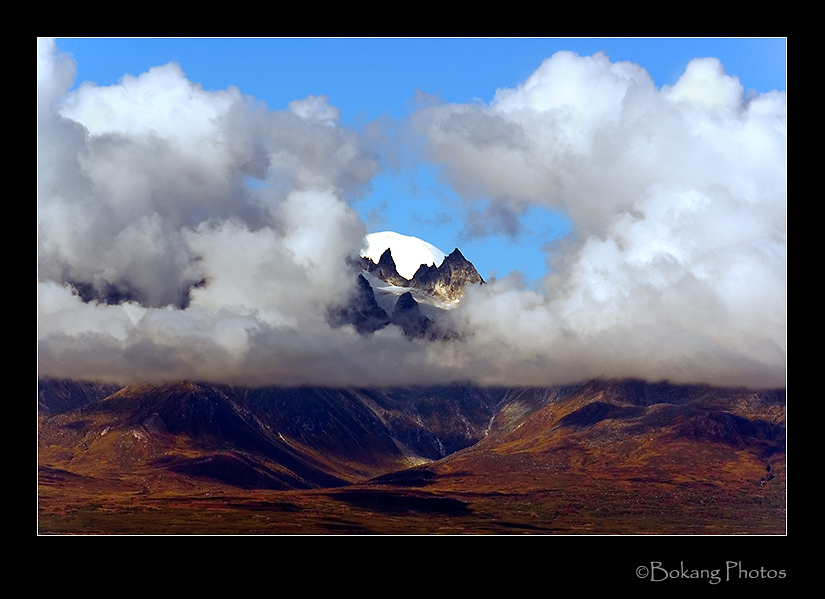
(678, 197)
(187, 233)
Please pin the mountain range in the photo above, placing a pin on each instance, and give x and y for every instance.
(617, 457)
(415, 304)
(597, 457)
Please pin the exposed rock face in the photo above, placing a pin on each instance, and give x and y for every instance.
(362, 311)
(112, 294)
(445, 284)
(265, 438)
(386, 269)
(448, 280)
(407, 315)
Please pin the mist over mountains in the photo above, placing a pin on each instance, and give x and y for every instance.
(158, 261)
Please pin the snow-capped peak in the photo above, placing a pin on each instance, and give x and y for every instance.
(408, 252)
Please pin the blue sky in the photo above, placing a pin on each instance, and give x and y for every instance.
(368, 78)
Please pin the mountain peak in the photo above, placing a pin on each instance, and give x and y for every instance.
(385, 269)
(405, 303)
(387, 260)
(408, 252)
(407, 315)
(455, 257)
(362, 311)
(437, 279)
(448, 280)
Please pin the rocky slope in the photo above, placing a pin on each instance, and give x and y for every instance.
(627, 432)
(617, 456)
(601, 456)
(289, 438)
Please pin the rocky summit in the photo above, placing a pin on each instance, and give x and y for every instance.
(446, 282)
(449, 280)
(385, 269)
(362, 311)
(439, 287)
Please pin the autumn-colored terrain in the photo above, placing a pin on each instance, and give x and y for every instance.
(601, 457)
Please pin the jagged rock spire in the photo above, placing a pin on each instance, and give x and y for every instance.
(446, 283)
(407, 315)
(448, 280)
(362, 311)
(385, 269)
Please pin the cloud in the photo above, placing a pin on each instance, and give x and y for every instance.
(176, 225)
(129, 172)
(678, 197)
(186, 233)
